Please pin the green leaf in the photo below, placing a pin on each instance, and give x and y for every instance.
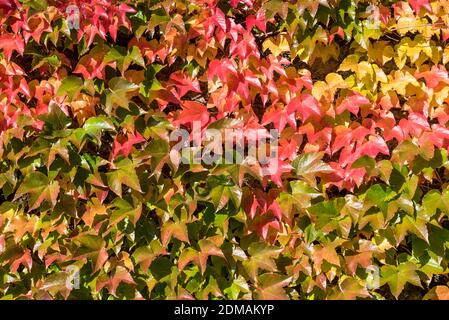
(378, 196)
(38, 5)
(124, 174)
(364, 162)
(159, 150)
(122, 209)
(95, 126)
(117, 93)
(397, 277)
(151, 83)
(124, 57)
(221, 194)
(434, 200)
(55, 119)
(326, 211)
(238, 171)
(309, 165)
(70, 86)
(271, 286)
(262, 256)
(300, 197)
(39, 188)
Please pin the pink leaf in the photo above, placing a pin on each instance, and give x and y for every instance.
(352, 104)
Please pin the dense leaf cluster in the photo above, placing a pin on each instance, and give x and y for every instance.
(94, 203)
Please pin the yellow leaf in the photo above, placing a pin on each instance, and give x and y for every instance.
(277, 45)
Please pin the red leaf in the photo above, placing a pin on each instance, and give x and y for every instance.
(433, 77)
(262, 223)
(258, 20)
(183, 83)
(306, 105)
(193, 111)
(352, 104)
(9, 43)
(373, 147)
(25, 260)
(2, 243)
(124, 145)
(279, 116)
(220, 19)
(8, 6)
(120, 275)
(417, 4)
(101, 259)
(221, 68)
(338, 32)
(345, 136)
(275, 169)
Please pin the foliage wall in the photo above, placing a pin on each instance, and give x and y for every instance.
(357, 208)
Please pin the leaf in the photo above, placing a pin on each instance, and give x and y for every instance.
(302, 192)
(325, 253)
(437, 293)
(307, 107)
(364, 162)
(417, 4)
(95, 126)
(91, 65)
(276, 45)
(310, 165)
(25, 260)
(55, 119)
(271, 286)
(124, 58)
(352, 104)
(397, 277)
(175, 229)
(326, 211)
(261, 256)
(120, 275)
(221, 194)
(10, 43)
(58, 283)
(151, 83)
(94, 247)
(124, 174)
(207, 248)
(159, 150)
(40, 188)
(238, 171)
(416, 226)
(70, 86)
(378, 196)
(123, 209)
(434, 200)
(146, 255)
(193, 111)
(184, 84)
(350, 289)
(279, 117)
(117, 93)
(93, 209)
